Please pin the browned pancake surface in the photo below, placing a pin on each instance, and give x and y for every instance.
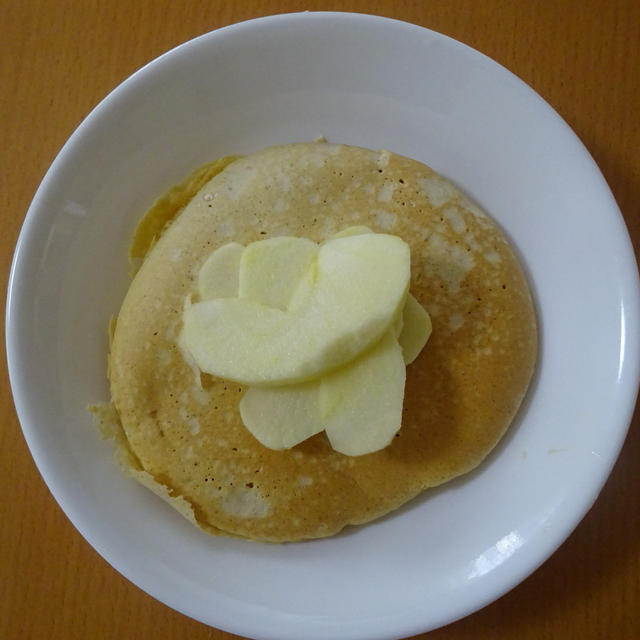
(461, 393)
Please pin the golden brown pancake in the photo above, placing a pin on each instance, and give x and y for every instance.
(461, 393)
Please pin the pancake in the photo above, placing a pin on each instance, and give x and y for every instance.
(183, 428)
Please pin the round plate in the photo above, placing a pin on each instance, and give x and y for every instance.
(377, 83)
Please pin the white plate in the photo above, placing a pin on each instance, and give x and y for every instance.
(381, 84)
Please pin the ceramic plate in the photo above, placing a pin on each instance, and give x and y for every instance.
(377, 83)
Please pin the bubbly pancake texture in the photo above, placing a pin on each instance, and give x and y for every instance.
(462, 392)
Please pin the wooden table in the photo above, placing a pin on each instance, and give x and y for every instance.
(60, 57)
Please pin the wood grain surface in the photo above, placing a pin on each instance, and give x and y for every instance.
(58, 58)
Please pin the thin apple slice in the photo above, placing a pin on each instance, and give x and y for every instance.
(282, 417)
(218, 276)
(303, 291)
(416, 329)
(271, 269)
(361, 284)
(414, 317)
(362, 403)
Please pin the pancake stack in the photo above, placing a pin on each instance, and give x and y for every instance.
(181, 429)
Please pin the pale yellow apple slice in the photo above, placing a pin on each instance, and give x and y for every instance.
(360, 405)
(270, 270)
(282, 417)
(218, 276)
(303, 291)
(362, 402)
(414, 317)
(361, 284)
(416, 329)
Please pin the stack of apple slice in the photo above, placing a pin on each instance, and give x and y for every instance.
(321, 335)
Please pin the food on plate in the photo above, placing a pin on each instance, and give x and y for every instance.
(433, 322)
(358, 401)
(359, 286)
